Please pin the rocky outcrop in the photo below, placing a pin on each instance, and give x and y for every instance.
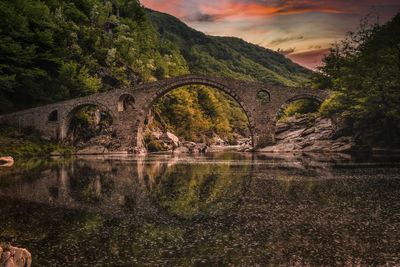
(167, 141)
(308, 133)
(6, 161)
(14, 257)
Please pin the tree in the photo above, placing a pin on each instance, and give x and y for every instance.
(364, 74)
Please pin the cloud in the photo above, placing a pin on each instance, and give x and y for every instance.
(284, 40)
(285, 51)
(310, 59)
(200, 17)
(315, 47)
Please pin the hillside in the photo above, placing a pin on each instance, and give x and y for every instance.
(227, 56)
(54, 50)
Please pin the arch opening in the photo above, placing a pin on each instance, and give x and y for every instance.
(87, 121)
(53, 116)
(125, 102)
(200, 113)
(263, 97)
(298, 107)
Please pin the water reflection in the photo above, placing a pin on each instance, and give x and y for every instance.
(222, 208)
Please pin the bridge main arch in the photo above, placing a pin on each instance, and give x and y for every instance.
(181, 81)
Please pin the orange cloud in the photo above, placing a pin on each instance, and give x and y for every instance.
(163, 6)
(254, 10)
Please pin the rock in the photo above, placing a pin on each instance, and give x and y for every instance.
(14, 257)
(92, 150)
(308, 131)
(169, 139)
(189, 145)
(157, 134)
(343, 126)
(45, 138)
(324, 124)
(281, 127)
(195, 148)
(200, 148)
(55, 153)
(218, 140)
(289, 134)
(296, 135)
(6, 161)
(182, 149)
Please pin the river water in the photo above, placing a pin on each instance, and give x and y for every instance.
(215, 209)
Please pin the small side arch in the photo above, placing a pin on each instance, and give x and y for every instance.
(305, 96)
(125, 101)
(313, 98)
(53, 116)
(263, 96)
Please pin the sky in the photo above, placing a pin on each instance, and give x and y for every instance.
(302, 30)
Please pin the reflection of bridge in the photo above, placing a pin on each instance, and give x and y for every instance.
(120, 186)
(128, 120)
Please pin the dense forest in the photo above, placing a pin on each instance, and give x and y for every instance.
(363, 72)
(54, 50)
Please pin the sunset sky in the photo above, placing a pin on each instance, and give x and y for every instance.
(303, 30)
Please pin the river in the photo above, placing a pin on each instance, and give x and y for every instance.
(226, 208)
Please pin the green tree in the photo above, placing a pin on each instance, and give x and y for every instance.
(364, 74)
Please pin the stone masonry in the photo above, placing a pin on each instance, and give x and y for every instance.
(53, 120)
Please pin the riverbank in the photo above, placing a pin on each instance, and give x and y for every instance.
(19, 143)
(308, 133)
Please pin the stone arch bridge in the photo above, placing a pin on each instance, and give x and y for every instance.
(129, 108)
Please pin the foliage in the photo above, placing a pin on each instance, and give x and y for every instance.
(151, 144)
(364, 74)
(27, 143)
(301, 106)
(263, 97)
(56, 49)
(202, 190)
(193, 112)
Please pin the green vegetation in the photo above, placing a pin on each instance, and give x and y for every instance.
(26, 142)
(195, 112)
(202, 190)
(227, 56)
(56, 49)
(299, 107)
(151, 144)
(263, 97)
(364, 74)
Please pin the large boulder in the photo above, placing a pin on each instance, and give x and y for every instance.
(14, 257)
(170, 139)
(6, 161)
(303, 134)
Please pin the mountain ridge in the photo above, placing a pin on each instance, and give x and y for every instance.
(226, 56)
